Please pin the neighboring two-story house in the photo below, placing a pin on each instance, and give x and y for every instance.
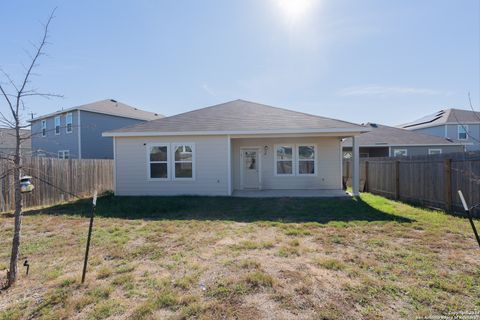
(76, 133)
(456, 124)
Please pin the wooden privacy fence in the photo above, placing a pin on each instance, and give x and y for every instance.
(427, 180)
(56, 180)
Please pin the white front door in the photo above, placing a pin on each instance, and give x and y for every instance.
(250, 169)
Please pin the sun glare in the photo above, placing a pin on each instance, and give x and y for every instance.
(295, 10)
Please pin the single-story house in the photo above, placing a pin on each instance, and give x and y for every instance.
(385, 141)
(230, 148)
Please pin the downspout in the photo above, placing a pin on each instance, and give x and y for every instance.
(79, 136)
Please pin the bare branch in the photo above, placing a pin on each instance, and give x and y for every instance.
(6, 75)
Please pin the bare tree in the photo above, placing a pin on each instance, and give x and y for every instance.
(14, 95)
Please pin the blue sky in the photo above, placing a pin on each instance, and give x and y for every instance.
(380, 61)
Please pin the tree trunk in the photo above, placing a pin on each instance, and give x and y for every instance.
(12, 275)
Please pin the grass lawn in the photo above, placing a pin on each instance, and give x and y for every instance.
(224, 258)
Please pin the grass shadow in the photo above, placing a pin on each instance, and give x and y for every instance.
(321, 210)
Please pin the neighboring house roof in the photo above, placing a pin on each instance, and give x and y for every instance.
(238, 117)
(447, 116)
(390, 136)
(8, 139)
(110, 107)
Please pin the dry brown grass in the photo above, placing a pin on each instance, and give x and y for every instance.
(189, 268)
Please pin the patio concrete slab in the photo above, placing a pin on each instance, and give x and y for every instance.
(294, 193)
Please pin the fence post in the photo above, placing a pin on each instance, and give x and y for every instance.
(397, 180)
(447, 181)
(365, 187)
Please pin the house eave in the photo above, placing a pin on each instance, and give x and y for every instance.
(348, 132)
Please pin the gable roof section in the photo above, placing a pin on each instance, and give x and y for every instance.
(109, 107)
(238, 117)
(390, 136)
(447, 116)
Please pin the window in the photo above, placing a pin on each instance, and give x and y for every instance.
(69, 120)
(284, 159)
(57, 125)
(400, 152)
(64, 154)
(183, 161)
(462, 132)
(44, 128)
(347, 154)
(306, 159)
(364, 154)
(434, 151)
(158, 158)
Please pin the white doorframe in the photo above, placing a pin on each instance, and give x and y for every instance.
(259, 158)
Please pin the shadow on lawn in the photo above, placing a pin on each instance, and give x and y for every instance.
(321, 210)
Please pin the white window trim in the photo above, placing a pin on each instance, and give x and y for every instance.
(69, 114)
(430, 150)
(297, 159)
(44, 127)
(63, 154)
(275, 160)
(462, 126)
(406, 152)
(149, 147)
(173, 161)
(59, 125)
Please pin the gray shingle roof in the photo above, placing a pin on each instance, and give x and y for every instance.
(390, 136)
(239, 116)
(110, 107)
(442, 117)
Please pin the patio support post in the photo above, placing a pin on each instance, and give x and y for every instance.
(355, 167)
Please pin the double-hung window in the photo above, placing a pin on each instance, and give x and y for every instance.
(434, 151)
(297, 159)
(400, 152)
(57, 125)
(44, 128)
(175, 161)
(69, 121)
(158, 155)
(183, 161)
(284, 160)
(64, 154)
(306, 159)
(462, 132)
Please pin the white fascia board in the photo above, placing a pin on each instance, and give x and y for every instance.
(340, 131)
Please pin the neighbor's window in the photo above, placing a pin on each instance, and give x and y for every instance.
(462, 132)
(69, 122)
(399, 152)
(284, 159)
(44, 128)
(434, 151)
(158, 156)
(64, 154)
(57, 125)
(183, 161)
(347, 154)
(306, 159)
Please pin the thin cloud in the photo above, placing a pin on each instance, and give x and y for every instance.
(208, 90)
(375, 90)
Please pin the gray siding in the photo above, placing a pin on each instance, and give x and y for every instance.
(52, 143)
(94, 146)
(328, 163)
(438, 131)
(451, 131)
(211, 166)
(423, 150)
